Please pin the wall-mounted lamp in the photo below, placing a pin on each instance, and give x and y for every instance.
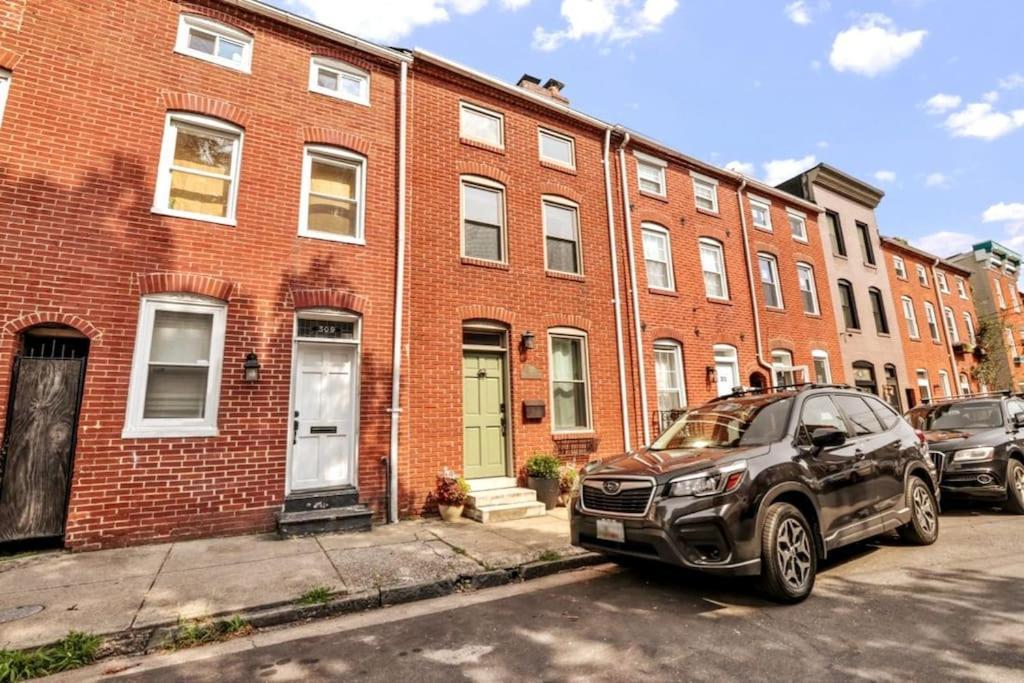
(711, 373)
(529, 340)
(252, 368)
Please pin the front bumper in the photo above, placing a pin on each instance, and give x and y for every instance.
(975, 480)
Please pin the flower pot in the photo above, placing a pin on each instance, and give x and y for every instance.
(547, 491)
(450, 513)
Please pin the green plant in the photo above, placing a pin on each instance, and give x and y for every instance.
(74, 651)
(317, 595)
(451, 489)
(544, 466)
(193, 633)
(990, 338)
(567, 479)
(549, 556)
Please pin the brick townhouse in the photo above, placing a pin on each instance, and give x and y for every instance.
(936, 320)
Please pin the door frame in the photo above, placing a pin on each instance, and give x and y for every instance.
(357, 389)
(506, 380)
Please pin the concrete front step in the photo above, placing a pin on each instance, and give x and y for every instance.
(492, 483)
(505, 512)
(489, 497)
(330, 520)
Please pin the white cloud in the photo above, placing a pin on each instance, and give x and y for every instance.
(941, 103)
(514, 4)
(1004, 212)
(937, 179)
(992, 96)
(1012, 82)
(744, 167)
(980, 120)
(946, 242)
(798, 12)
(873, 46)
(822, 144)
(605, 20)
(779, 170)
(885, 176)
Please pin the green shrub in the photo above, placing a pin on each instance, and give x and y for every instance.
(568, 478)
(544, 466)
(74, 651)
(193, 633)
(317, 595)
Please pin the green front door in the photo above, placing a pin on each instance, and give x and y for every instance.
(483, 414)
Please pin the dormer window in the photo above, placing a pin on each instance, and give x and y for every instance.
(215, 42)
(338, 79)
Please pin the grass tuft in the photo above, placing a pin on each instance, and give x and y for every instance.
(317, 595)
(74, 651)
(549, 556)
(194, 633)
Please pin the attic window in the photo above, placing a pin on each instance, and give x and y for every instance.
(337, 79)
(214, 42)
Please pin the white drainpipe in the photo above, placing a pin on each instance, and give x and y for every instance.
(754, 298)
(616, 299)
(628, 226)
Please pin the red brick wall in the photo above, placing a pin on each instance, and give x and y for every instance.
(1010, 318)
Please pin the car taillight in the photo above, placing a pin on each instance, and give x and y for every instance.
(921, 437)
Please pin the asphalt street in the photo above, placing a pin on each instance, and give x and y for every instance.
(881, 611)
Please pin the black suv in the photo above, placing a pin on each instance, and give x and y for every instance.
(977, 443)
(763, 484)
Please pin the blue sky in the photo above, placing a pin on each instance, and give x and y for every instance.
(923, 98)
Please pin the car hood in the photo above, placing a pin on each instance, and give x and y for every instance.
(946, 441)
(671, 462)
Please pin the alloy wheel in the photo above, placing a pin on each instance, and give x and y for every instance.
(1018, 481)
(924, 510)
(794, 554)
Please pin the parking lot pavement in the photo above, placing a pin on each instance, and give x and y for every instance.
(880, 612)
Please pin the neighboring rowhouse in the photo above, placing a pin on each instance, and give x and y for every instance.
(936, 320)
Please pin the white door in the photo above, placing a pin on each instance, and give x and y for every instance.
(323, 442)
(728, 378)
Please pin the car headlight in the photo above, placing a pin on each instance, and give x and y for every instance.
(709, 483)
(974, 455)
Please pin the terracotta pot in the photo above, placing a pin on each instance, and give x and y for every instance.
(547, 491)
(450, 513)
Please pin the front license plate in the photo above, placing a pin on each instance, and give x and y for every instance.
(611, 530)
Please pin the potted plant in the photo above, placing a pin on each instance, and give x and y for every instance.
(450, 493)
(567, 480)
(543, 473)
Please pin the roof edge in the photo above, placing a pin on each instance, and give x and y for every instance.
(899, 243)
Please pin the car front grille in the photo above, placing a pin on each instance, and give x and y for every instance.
(940, 462)
(633, 498)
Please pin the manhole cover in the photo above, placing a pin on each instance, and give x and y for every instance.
(16, 613)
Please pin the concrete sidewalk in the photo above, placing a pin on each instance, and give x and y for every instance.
(144, 588)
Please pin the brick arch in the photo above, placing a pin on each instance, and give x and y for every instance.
(330, 298)
(337, 138)
(672, 333)
(484, 312)
(782, 345)
(188, 283)
(485, 171)
(577, 321)
(9, 59)
(561, 190)
(40, 317)
(201, 104)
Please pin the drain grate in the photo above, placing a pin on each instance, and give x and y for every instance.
(15, 613)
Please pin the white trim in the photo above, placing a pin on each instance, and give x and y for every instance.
(931, 317)
(563, 203)
(758, 198)
(765, 206)
(910, 315)
(707, 183)
(946, 384)
(774, 268)
(5, 88)
(802, 218)
(727, 354)
(961, 288)
(648, 159)
(658, 166)
(972, 335)
(136, 426)
(542, 132)
(704, 178)
(338, 157)
(807, 267)
(486, 184)
(899, 266)
(339, 69)
(661, 231)
(949, 318)
(818, 354)
(485, 112)
(720, 251)
(942, 282)
(220, 31)
(922, 276)
(676, 349)
(161, 199)
(580, 335)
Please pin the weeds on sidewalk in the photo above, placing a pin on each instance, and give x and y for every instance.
(549, 556)
(193, 633)
(317, 595)
(74, 651)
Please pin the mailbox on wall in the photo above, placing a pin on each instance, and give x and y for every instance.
(533, 410)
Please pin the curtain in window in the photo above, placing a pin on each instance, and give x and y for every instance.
(483, 215)
(560, 223)
(179, 365)
(570, 399)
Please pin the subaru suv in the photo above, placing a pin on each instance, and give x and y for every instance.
(977, 443)
(763, 483)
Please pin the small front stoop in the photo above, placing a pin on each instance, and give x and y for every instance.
(323, 512)
(499, 500)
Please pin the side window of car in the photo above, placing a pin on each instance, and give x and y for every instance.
(819, 412)
(860, 415)
(886, 415)
(1014, 407)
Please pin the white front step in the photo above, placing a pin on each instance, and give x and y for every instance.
(488, 497)
(491, 483)
(505, 513)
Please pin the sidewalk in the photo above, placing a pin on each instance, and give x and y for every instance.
(138, 590)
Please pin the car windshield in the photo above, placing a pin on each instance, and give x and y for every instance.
(729, 423)
(952, 417)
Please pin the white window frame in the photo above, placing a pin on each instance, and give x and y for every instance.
(5, 88)
(708, 183)
(931, 317)
(774, 268)
(489, 113)
(922, 276)
(720, 251)
(487, 184)
(727, 354)
(949, 318)
(340, 157)
(780, 366)
(910, 315)
(900, 266)
(673, 347)
(564, 203)
(998, 286)
(965, 384)
(220, 31)
(546, 132)
(655, 229)
(924, 382)
(942, 282)
(570, 333)
(162, 198)
(658, 166)
(1011, 341)
(766, 206)
(961, 287)
(339, 69)
(1015, 294)
(801, 218)
(946, 384)
(802, 267)
(972, 335)
(818, 354)
(135, 425)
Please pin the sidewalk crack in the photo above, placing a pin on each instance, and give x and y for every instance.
(344, 584)
(152, 583)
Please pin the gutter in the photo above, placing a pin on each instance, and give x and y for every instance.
(758, 341)
(616, 298)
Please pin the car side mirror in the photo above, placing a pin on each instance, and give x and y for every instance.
(827, 437)
(1018, 421)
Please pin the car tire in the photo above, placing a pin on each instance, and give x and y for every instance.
(1014, 487)
(923, 527)
(789, 557)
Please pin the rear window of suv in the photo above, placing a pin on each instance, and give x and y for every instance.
(957, 416)
(729, 423)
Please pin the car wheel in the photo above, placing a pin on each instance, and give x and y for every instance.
(923, 527)
(1015, 487)
(789, 560)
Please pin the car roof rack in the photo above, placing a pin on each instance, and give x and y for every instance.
(739, 392)
(965, 397)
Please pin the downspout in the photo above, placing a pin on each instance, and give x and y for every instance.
(396, 355)
(616, 298)
(759, 343)
(954, 381)
(628, 227)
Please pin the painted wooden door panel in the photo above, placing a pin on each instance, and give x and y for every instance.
(483, 380)
(324, 449)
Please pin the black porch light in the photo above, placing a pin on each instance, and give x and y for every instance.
(529, 340)
(252, 368)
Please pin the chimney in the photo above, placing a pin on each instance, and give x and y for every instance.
(552, 89)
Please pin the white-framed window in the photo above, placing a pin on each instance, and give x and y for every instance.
(705, 192)
(932, 320)
(950, 319)
(5, 86)
(562, 251)
(712, 262)
(913, 331)
(785, 374)
(483, 219)
(668, 374)
(961, 287)
(965, 384)
(199, 166)
(481, 125)
(900, 266)
(924, 385)
(922, 275)
(1011, 342)
(972, 336)
(822, 368)
(797, 224)
(556, 148)
(337, 79)
(214, 42)
(570, 381)
(727, 369)
(998, 286)
(761, 213)
(1016, 298)
(808, 288)
(650, 174)
(333, 203)
(947, 386)
(176, 370)
(658, 257)
(769, 268)
(943, 284)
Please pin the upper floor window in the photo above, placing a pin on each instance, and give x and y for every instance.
(836, 230)
(1011, 343)
(950, 320)
(557, 148)
(998, 286)
(650, 173)
(333, 192)
(338, 79)
(483, 219)
(913, 331)
(797, 224)
(5, 86)
(866, 244)
(712, 262)
(878, 310)
(808, 288)
(562, 236)
(848, 303)
(922, 275)
(969, 326)
(932, 320)
(570, 381)
(900, 266)
(769, 268)
(199, 166)
(924, 385)
(1016, 298)
(961, 287)
(705, 192)
(214, 42)
(658, 257)
(481, 125)
(942, 283)
(668, 375)
(761, 212)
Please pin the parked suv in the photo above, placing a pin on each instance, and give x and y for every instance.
(763, 484)
(977, 443)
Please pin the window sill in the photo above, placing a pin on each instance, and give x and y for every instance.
(335, 96)
(708, 212)
(871, 266)
(852, 332)
(566, 436)
(801, 240)
(720, 302)
(169, 432)
(564, 276)
(555, 166)
(482, 145)
(654, 195)
(843, 257)
(483, 263)
(774, 309)
(767, 229)
(815, 316)
(333, 238)
(229, 222)
(662, 292)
